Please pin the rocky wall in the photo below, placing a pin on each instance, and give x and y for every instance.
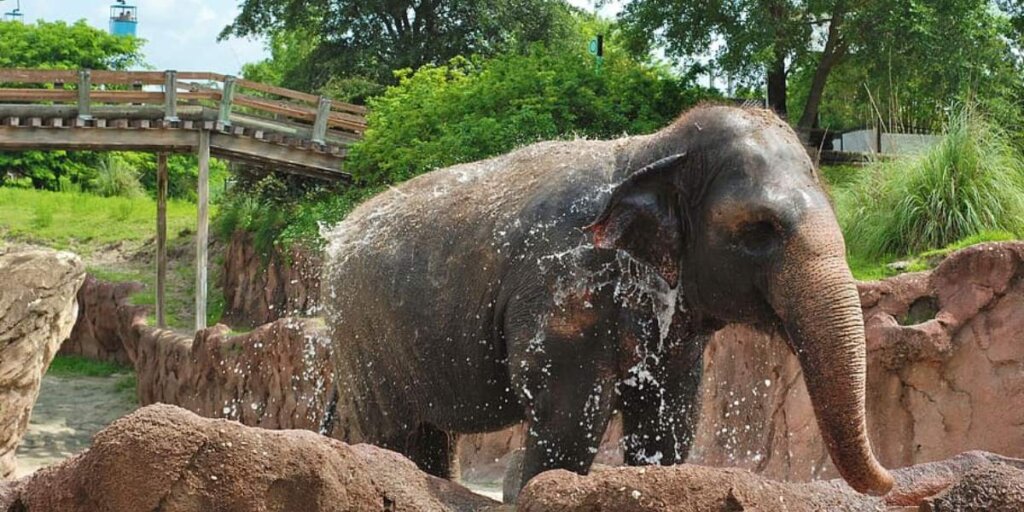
(103, 312)
(260, 288)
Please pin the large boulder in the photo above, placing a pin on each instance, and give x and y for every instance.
(164, 458)
(37, 310)
(969, 482)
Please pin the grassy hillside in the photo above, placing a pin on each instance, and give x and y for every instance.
(85, 222)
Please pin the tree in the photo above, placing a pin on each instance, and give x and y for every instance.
(58, 45)
(470, 109)
(371, 38)
(775, 38)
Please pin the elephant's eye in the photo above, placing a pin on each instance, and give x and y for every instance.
(758, 237)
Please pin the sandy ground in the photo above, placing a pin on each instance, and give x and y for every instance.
(66, 415)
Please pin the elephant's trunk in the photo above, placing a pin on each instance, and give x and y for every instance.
(816, 297)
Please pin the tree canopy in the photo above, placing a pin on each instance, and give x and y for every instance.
(954, 44)
(372, 38)
(58, 45)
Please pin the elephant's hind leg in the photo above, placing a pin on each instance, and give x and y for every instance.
(433, 450)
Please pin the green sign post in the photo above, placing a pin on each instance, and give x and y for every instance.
(597, 50)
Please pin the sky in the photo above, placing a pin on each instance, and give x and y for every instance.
(180, 34)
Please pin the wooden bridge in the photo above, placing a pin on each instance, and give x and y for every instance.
(260, 125)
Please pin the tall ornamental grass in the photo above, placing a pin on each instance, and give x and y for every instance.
(971, 182)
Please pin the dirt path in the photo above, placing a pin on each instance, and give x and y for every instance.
(66, 415)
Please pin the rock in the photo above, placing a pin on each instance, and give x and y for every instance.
(972, 481)
(165, 458)
(104, 321)
(37, 310)
(276, 376)
(261, 288)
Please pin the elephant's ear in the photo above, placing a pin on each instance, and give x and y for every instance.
(642, 217)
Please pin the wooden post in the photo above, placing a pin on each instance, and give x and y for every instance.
(84, 85)
(202, 227)
(226, 97)
(161, 238)
(171, 96)
(323, 112)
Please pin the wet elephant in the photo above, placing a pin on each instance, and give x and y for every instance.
(565, 280)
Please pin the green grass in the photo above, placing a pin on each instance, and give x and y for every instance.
(867, 269)
(970, 183)
(81, 222)
(82, 367)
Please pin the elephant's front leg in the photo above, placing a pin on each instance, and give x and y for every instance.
(565, 377)
(660, 402)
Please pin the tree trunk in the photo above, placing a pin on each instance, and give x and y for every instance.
(834, 52)
(777, 84)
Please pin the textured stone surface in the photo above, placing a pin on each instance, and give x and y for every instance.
(37, 310)
(103, 311)
(976, 481)
(260, 288)
(275, 376)
(165, 458)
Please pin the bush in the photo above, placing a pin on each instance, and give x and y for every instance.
(116, 177)
(472, 109)
(972, 181)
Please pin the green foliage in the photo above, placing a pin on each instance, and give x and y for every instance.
(286, 220)
(917, 59)
(468, 110)
(59, 45)
(370, 38)
(116, 177)
(970, 183)
(78, 366)
(46, 169)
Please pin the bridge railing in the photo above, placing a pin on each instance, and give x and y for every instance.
(232, 98)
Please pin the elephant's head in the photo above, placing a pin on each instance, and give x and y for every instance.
(733, 212)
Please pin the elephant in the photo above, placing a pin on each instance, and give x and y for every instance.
(566, 280)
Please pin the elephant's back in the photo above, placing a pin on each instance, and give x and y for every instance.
(473, 203)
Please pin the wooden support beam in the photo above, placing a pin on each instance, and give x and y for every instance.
(202, 228)
(161, 239)
(92, 139)
(84, 87)
(323, 113)
(227, 96)
(171, 96)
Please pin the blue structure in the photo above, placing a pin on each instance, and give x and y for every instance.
(123, 19)
(15, 15)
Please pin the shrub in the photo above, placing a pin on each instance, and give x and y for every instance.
(116, 177)
(470, 109)
(972, 181)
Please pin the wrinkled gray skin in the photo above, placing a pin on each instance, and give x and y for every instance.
(567, 279)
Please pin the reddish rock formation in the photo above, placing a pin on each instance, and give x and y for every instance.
(165, 458)
(976, 481)
(103, 313)
(260, 288)
(276, 376)
(37, 311)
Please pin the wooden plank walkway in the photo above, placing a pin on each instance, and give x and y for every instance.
(260, 125)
